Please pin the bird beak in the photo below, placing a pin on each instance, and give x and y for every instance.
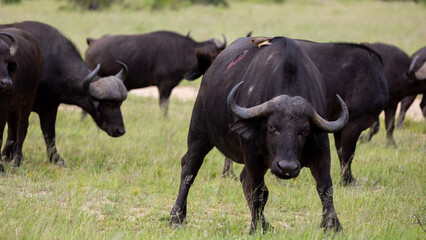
(264, 43)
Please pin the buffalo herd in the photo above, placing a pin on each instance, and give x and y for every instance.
(264, 102)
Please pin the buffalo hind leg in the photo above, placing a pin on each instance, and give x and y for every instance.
(47, 122)
(345, 142)
(228, 169)
(405, 105)
(191, 163)
(374, 128)
(390, 124)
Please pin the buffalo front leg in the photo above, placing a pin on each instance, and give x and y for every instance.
(256, 194)
(10, 145)
(191, 163)
(47, 122)
(423, 105)
(320, 169)
(21, 133)
(165, 90)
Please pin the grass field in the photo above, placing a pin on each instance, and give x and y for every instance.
(124, 188)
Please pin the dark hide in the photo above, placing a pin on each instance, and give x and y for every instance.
(284, 140)
(24, 69)
(62, 82)
(400, 83)
(155, 59)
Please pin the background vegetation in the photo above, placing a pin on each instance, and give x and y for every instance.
(124, 188)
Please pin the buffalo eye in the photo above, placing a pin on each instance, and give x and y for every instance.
(11, 66)
(272, 129)
(303, 134)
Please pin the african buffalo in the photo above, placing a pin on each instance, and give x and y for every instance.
(402, 80)
(67, 79)
(20, 70)
(154, 59)
(355, 72)
(418, 72)
(274, 120)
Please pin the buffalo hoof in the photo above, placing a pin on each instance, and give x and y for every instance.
(391, 143)
(331, 224)
(6, 158)
(16, 162)
(364, 138)
(61, 163)
(2, 172)
(347, 179)
(178, 219)
(266, 227)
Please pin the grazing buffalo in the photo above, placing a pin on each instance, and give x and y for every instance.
(402, 80)
(274, 120)
(20, 70)
(67, 79)
(355, 72)
(155, 59)
(418, 72)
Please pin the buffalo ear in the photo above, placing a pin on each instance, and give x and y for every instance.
(204, 60)
(245, 129)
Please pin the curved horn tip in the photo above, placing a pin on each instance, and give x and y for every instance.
(122, 64)
(230, 99)
(89, 78)
(14, 45)
(123, 72)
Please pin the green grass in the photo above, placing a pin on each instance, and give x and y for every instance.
(124, 188)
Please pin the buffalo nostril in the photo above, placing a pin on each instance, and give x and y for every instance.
(287, 167)
(121, 131)
(6, 83)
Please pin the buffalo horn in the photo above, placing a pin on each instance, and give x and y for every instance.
(248, 113)
(411, 69)
(88, 80)
(332, 126)
(188, 34)
(123, 72)
(220, 45)
(14, 45)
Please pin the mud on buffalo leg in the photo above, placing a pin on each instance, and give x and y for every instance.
(47, 122)
(405, 105)
(390, 124)
(374, 128)
(321, 172)
(191, 163)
